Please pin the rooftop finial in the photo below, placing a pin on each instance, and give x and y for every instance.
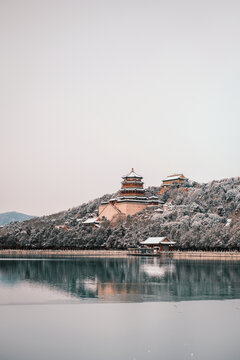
(132, 169)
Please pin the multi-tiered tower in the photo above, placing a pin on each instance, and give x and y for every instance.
(132, 186)
(131, 198)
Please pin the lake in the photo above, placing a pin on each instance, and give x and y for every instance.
(119, 308)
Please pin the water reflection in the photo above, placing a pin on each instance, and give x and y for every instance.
(126, 279)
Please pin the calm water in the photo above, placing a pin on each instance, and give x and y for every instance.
(119, 308)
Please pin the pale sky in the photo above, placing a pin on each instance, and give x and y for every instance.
(89, 89)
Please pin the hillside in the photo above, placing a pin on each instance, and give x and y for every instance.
(7, 217)
(206, 216)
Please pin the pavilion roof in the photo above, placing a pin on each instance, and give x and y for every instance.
(132, 174)
(157, 241)
(91, 221)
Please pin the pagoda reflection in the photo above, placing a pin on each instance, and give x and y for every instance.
(127, 279)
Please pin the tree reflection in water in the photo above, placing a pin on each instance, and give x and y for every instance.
(128, 279)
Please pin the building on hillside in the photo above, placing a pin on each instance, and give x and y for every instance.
(61, 227)
(94, 222)
(131, 199)
(170, 180)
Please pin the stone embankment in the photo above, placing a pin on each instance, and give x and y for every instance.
(94, 253)
(188, 255)
(206, 255)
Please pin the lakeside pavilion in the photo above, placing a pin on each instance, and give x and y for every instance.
(158, 244)
(131, 199)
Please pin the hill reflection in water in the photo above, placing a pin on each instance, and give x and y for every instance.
(126, 279)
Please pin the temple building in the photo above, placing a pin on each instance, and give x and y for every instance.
(131, 199)
(170, 180)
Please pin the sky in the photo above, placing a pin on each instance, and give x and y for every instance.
(91, 88)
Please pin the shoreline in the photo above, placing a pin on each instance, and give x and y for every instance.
(87, 253)
(206, 255)
(188, 255)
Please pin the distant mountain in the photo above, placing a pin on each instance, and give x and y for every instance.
(7, 217)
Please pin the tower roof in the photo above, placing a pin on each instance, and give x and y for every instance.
(132, 174)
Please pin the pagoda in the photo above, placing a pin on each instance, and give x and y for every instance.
(132, 185)
(130, 200)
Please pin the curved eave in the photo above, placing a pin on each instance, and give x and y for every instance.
(127, 189)
(141, 201)
(137, 181)
(175, 179)
(132, 177)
